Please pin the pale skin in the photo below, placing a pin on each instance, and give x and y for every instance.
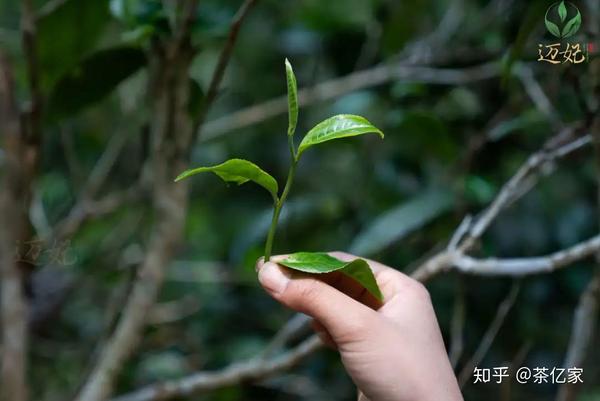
(393, 350)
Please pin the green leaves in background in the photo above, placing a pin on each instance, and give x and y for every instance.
(395, 224)
(143, 17)
(340, 126)
(292, 88)
(137, 12)
(239, 171)
(67, 33)
(320, 262)
(93, 79)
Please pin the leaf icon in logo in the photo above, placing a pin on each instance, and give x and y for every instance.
(552, 28)
(572, 26)
(562, 11)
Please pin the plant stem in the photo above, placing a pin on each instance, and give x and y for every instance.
(278, 207)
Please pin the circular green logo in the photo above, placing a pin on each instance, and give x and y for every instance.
(563, 19)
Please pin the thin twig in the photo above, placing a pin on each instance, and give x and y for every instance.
(29, 37)
(519, 267)
(224, 58)
(292, 329)
(457, 324)
(536, 94)
(582, 334)
(250, 370)
(490, 334)
(524, 178)
(334, 88)
(87, 209)
(103, 166)
(13, 385)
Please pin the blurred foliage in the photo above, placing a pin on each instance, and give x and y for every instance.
(448, 150)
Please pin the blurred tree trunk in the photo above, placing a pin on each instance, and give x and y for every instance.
(13, 216)
(171, 129)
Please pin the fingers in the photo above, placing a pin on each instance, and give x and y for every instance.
(391, 282)
(344, 283)
(343, 317)
(321, 331)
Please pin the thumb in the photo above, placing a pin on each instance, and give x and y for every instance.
(343, 317)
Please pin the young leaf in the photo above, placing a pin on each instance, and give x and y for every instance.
(238, 171)
(319, 262)
(292, 89)
(340, 126)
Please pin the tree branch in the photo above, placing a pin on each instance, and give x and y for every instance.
(86, 209)
(582, 334)
(33, 116)
(13, 385)
(535, 167)
(457, 323)
(171, 136)
(250, 370)
(490, 334)
(224, 57)
(334, 88)
(22, 145)
(526, 266)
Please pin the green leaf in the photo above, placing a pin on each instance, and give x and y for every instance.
(66, 34)
(562, 11)
(239, 171)
(572, 26)
(93, 79)
(320, 262)
(398, 222)
(340, 126)
(292, 88)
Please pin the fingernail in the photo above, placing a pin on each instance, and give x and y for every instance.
(272, 277)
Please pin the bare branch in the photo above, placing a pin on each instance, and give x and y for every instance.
(536, 94)
(171, 136)
(13, 385)
(104, 165)
(535, 167)
(582, 334)
(33, 118)
(224, 57)
(87, 209)
(457, 324)
(490, 334)
(526, 266)
(292, 329)
(334, 88)
(250, 370)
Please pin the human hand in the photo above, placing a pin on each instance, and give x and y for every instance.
(393, 350)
